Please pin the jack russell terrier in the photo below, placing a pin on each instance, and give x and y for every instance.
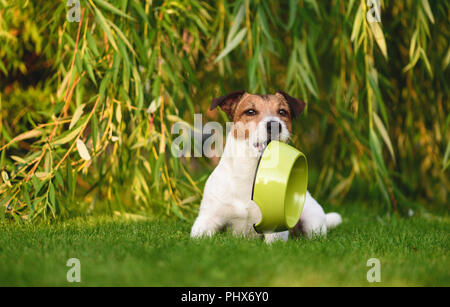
(226, 203)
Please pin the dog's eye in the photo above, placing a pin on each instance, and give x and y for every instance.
(250, 112)
(283, 112)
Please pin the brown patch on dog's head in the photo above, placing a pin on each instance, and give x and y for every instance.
(296, 105)
(228, 102)
(254, 108)
(247, 110)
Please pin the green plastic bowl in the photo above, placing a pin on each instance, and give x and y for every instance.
(279, 188)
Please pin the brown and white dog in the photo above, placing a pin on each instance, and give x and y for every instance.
(226, 203)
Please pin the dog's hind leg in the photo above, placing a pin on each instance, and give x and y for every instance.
(313, 221)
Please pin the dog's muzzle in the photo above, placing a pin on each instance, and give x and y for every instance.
(273, 130)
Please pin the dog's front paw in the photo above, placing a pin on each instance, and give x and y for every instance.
(276, 236)
(201, 229)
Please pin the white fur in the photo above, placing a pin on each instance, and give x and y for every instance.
(227, 200)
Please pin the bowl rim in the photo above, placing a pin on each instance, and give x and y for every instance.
(254, 181)
(257, 167)
(301, 156)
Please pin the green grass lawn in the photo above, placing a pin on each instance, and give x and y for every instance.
(114, 251)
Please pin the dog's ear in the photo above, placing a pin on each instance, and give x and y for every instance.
(296, 105)
(228, 102)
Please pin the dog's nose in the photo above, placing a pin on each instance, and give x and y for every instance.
(273, 126)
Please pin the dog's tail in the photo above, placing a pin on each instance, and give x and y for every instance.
(333, 219)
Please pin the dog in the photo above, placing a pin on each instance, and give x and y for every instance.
(227, 203)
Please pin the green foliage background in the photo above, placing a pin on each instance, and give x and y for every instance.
(376, 126)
